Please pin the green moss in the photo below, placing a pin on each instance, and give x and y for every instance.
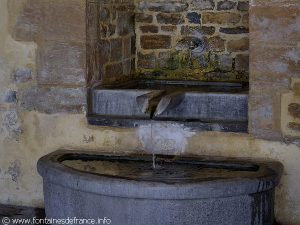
(182, 66)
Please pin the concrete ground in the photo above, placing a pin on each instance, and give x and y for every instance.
(17, 212)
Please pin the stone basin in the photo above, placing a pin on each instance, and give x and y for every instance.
(177, 190)
(206, 105)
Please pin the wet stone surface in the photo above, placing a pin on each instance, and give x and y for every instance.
(18, 212)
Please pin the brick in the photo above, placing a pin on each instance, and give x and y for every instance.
(243, 6)
(156, 42)
(61, 63)
(143, 18)
(22, 75)
(53, 99)
(220, 18)
(216, 44)
(234, 30)
(166, 18)
(116, 49)
(149, 29)
(202, 4)
(194, 17)
(238, 45)
(146, 61)
(226, 5)
(242, 62)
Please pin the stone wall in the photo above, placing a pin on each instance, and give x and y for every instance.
(194, 39)
(110, 40)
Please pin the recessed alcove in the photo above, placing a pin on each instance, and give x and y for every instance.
(158, 61)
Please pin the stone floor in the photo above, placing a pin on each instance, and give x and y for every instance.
(17, 212)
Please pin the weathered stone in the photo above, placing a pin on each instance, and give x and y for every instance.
(116, 49)
(146, 61)
(245, 20)
(8, 96)
(185, 42)
(163, 58)
(149, 29)
(11, 127)
(294, 110)
(193, 17)
(294, 126)
(220, 18)
(156, 41)
(39, 20)
(222, 62)
(104, 14)
(163, 6)
(226, 5)
(111, 29)
(22, 75)
(202, 4)
(143, 18)
(11, 97)
(169, 28)
(243, 6)
(133, 45)
(242, 62)
(113, 71)
(216, 44)
(280, 26)
(126, 48)
(190, 30)
(207, 30)
(234, 30)
(127, 67)
(238, 45)
(61, 63)
(166, 18)
(196, 30)
(53, 99)
(125, 23)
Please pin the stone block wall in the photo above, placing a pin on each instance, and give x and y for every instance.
(194, 39)
(274, 63)
(110, 40)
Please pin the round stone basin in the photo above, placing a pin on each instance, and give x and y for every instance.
(134, 190)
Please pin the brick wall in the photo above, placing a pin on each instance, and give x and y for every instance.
(168, 32)
(110, 40)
